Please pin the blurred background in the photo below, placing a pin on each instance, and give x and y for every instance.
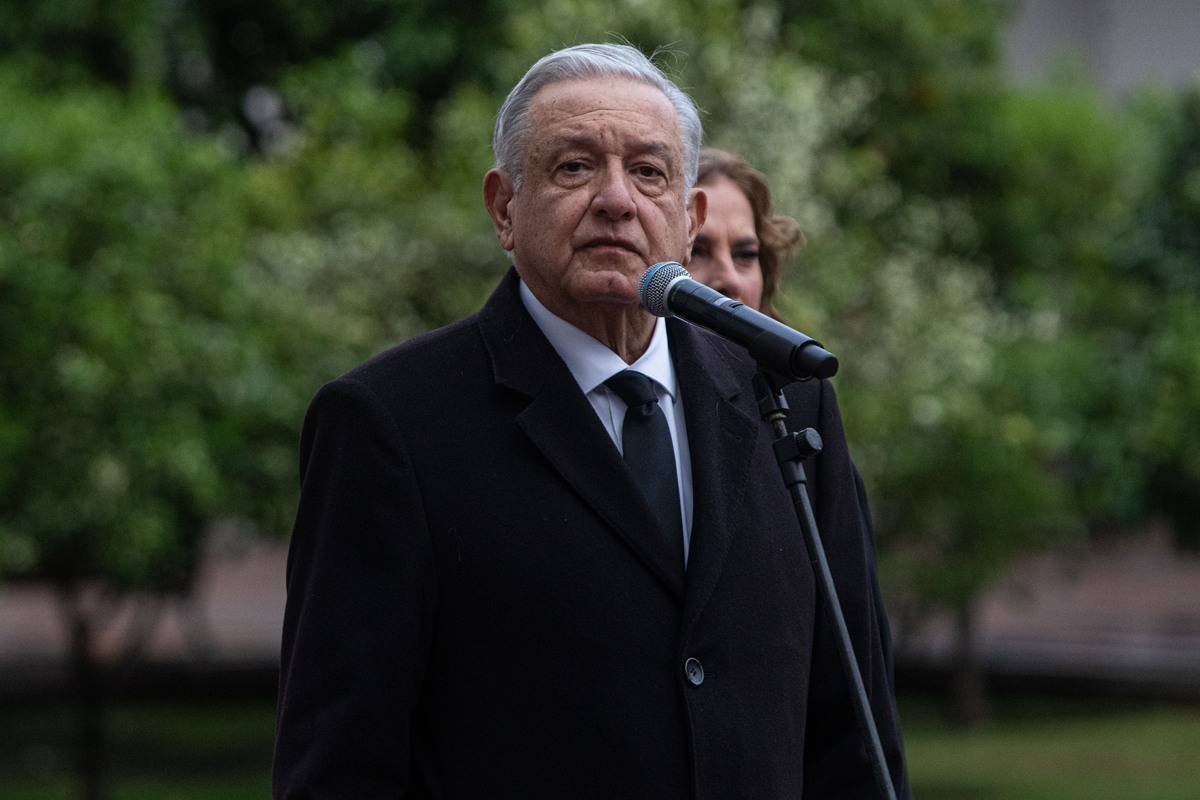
(208, 208)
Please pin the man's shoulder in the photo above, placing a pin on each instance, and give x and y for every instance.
(445, 367)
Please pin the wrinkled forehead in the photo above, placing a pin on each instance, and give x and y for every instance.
(611, 111)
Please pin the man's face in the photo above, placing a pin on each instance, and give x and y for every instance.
(602, 196)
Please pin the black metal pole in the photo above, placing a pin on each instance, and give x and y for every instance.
(791, 449)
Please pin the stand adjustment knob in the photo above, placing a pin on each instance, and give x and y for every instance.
(798, 446)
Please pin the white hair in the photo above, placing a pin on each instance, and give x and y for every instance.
(580, 63)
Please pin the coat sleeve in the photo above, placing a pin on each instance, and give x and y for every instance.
(836, 764)
(360, 599)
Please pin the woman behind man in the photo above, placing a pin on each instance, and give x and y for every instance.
(741, 252)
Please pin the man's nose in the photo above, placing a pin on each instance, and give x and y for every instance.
(613, 198)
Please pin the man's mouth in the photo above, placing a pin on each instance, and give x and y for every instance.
(604, 242)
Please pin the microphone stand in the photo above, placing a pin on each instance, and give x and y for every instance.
(791, 449)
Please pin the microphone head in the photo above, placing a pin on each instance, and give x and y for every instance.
(655, 283)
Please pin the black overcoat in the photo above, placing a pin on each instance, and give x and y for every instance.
(477, 609)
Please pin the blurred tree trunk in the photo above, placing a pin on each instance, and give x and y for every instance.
(969, 705)
(87, 677)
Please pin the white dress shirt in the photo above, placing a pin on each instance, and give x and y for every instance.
(591, 363)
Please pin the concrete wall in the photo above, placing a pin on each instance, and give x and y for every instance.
(1120, 43)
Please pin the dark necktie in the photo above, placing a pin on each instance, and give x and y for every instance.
(646, 442)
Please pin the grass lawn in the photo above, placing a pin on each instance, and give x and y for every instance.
(1033, 750)
(1044, 750)
(218, 751)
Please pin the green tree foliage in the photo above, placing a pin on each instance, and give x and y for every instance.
(123, 364)
(130, 410)
(1161, 270)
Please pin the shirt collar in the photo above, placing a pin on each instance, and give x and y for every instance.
(590, 362)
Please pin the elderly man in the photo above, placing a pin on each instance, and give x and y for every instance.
(545, 551)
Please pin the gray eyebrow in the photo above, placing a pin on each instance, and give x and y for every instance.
(657, 148)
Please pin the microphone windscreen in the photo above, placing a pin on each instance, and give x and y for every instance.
(655, 282)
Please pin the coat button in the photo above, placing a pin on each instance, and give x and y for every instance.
(694, 671)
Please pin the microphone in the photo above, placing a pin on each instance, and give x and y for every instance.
(667, 290)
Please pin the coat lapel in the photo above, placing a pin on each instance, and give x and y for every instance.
(722, 430)
(561, 423)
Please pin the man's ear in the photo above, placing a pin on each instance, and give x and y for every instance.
(697, 211)
(497, 198)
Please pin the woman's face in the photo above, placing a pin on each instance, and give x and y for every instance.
(725, 254)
